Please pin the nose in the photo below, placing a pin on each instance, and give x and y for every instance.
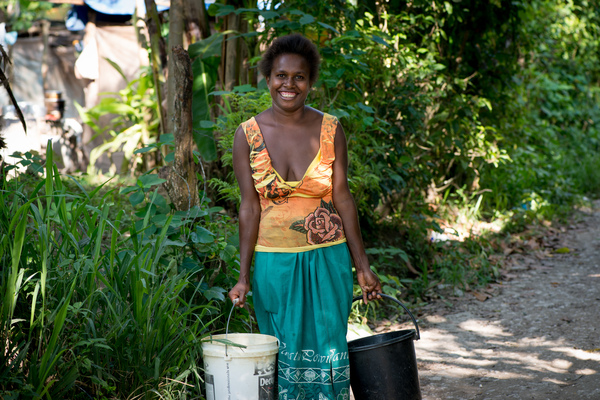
(289, 81)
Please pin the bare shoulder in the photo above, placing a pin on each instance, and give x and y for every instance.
(265, 118)
(313, 115)
(239, 131)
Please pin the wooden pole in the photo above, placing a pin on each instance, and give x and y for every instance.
(45, 52)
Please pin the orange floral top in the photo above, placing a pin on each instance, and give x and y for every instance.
(295, 216)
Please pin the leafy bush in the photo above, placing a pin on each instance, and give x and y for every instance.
(106, 308)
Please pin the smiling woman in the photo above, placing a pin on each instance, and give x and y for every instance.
(298, 219)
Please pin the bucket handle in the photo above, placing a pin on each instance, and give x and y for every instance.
(401, 305)
(235, 301)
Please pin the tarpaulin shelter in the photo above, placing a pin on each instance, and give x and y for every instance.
(71, 57)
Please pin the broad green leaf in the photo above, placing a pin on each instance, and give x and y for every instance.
(269, 14)
(244, 88)
(202, 235)
(307, 19)
(136, 198)
(207, 124)
(215, 293)
(209, 47)
(149, 180)
(205, 142)
(167, 138)
(128, 189)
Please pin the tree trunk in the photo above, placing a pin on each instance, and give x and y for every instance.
(156, 62)
(181, 184)
(197, 27)
(176, 23)
(231, 70)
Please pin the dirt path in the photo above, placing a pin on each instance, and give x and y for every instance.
(536, 337)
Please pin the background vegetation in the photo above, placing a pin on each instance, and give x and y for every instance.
(458, 114)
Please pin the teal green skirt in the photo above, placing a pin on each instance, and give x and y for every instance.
(304, 299)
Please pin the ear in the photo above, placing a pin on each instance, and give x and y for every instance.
(268, 79)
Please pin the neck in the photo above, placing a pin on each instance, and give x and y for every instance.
(284, 117)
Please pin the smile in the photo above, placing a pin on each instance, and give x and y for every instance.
(288, 95)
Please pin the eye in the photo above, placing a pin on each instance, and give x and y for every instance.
(299, 77)
(281, 75)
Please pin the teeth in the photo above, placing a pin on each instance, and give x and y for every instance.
(288, 95)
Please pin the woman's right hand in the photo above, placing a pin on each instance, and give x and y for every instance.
(239, 292)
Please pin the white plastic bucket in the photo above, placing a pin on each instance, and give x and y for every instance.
(235, 373)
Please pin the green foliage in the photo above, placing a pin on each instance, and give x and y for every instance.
(550, 120)
(481, 109)
(103, 307)
(238, 107)
(134, 126)
(206, 56)
(23, 13)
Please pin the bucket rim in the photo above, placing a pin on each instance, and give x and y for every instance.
(407, 334)
(412, 317)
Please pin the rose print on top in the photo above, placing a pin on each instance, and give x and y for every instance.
(322, 225)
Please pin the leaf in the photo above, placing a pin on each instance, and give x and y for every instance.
(228, 253)
(298, 226)
(448, 7)
(117, 68)
(562, 250)
(149, 180)
(145, 149)
(128, 189)
(481, 296)
(4, 81)
(365, 108)
(307, 19)
(167, 138)
(209, 47)
(136, 198)
(215, 293)
(205, 142)
(244, 88)
(328, 206)
(202, 235)
(220, 93)
(269, 14)
(380, 40)
(222, 10)
(207, 124)
(324, 25)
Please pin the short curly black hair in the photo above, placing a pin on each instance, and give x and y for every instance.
(291, 44)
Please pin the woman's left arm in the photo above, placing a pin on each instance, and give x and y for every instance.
(344, 203)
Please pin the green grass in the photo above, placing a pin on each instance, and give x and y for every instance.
(98, 302)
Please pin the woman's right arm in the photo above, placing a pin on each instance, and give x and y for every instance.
(249, 215)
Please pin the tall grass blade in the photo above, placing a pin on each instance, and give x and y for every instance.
(12, 289)
(52, 353)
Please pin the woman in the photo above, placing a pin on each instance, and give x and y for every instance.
(299, 220)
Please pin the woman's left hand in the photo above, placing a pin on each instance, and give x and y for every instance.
(369, 283)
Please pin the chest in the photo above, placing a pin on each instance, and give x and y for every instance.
(292, 150)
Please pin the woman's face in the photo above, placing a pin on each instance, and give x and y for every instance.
(289, 82)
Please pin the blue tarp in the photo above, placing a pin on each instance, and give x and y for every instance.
(118, 7)
(107, 11)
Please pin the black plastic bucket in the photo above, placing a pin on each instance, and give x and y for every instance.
(384, 366)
